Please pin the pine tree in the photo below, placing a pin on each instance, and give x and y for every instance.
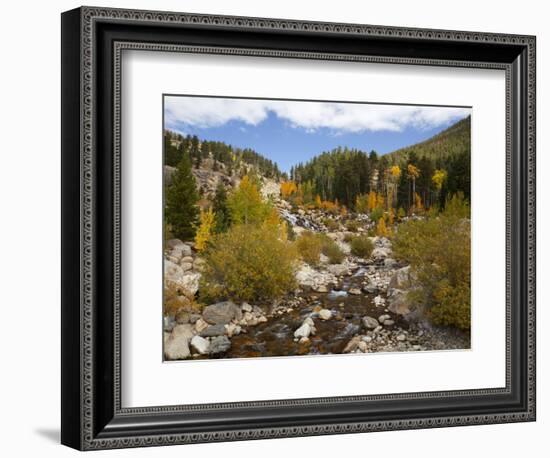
(181, 199)
(220, 208)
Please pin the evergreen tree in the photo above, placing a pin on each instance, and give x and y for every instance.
(181, 201)
(220, 209)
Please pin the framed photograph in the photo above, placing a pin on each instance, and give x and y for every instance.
(276, 228)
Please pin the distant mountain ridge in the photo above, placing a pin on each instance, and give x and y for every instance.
(453, 141)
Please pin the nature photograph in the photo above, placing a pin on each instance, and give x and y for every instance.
(298, 227)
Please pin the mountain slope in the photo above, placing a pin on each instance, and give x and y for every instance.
(451, 142)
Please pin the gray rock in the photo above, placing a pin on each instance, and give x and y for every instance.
(401, 337)
(200, 344)
(389, 262)
(303, 331)
(371, 288)
(246, 307)
(352, 345)
(379, 254)
(354, 291)
(177, 347)
(169, 323)
(320, 289)
(214, 330)
(370, 322)
(219, 344)
(221, 313)
(382, 318)
(183, 330)
(338, 269)
(325, 314)
(194, 317)
(389, 323)
(185, 266)
(401, 279)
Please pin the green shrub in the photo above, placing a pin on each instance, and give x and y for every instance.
(361, 246)
(331, 224)
(376, 214)
(348, 237)
(309, 247)
(438, 249)
(352, 225)
(331, 249)
(248, 263)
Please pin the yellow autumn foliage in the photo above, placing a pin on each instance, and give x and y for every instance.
(204, 233)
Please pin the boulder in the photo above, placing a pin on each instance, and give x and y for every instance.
(246, 307)
(398, 302)
(200, 344)
(175, 276)
(370, 322)
(389, 323)
(214, 330)
(382, 318)
(219, 344)
(325, 314)
(183, 330)
(320, 288)
(177, 347)
(185, 266)
(352, 345)
(221, 313)
(401, 279)
(177, 248)
(303, 331)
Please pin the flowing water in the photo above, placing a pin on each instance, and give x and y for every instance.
(276, 336)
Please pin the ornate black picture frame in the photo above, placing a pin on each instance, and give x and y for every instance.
(92, 42)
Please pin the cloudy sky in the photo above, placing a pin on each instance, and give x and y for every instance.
(294, 131)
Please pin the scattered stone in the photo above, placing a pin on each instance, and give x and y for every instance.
(169, 323)
(200, 325)
(219, 344)
(304, 340)
(188, 259)
(354, 291)
(401, 337)
(221, 313)
(370, 322)
(246, 307)
(338, 269)
(200, 344)
(389, 262)
(232, 329)
(320, 289)
(383, 318)
(352, 345)
(303, 331)
(325, 314)
(379, 301)
(363, 346)
(389, 323)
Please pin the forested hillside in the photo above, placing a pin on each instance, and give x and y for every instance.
(452, 141)
(229, 158)
(409, 179)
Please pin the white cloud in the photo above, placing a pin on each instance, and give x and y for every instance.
(339, 117)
